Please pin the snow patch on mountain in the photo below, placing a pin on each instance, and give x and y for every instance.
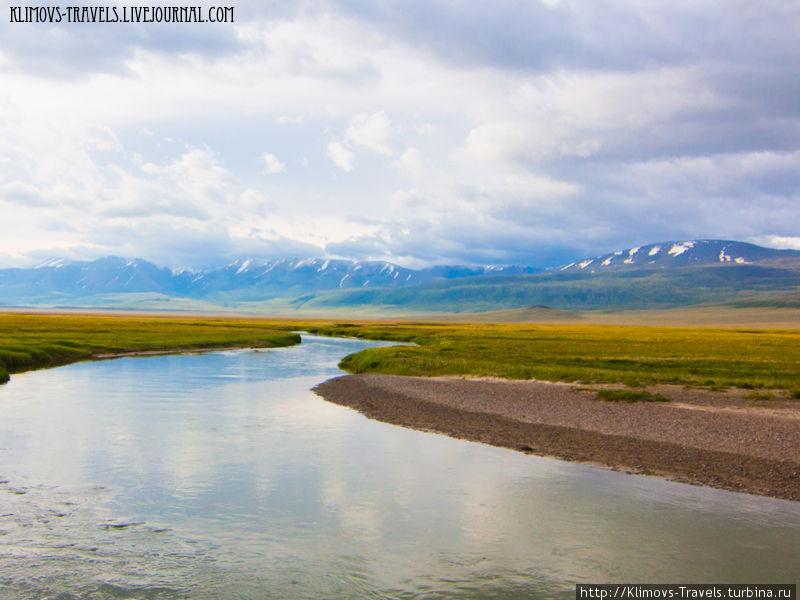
(54, 263)
(304, 262)
(244, 266)
(678, 249)
(631, 253)
(607, 261)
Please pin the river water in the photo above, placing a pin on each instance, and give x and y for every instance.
(220, 475)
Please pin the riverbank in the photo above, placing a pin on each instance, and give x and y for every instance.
(634, 356)
(36, 341)
(727, 440)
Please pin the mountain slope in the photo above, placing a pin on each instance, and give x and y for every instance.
(635, 289)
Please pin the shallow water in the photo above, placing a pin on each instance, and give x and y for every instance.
(221, 475)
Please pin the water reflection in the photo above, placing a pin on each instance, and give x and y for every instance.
(221, 475)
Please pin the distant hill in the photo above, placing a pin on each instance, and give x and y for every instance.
(663, 275)
(634, 289)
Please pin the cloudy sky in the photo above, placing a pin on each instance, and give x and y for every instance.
(421, 132)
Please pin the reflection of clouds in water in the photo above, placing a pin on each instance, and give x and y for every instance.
(547, 518)
(56, 406)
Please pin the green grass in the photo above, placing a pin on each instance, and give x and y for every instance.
(757, 359)
(630, 396)
(34, 341)
(636, 356)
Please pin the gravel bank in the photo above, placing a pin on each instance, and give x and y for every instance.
(715, 439)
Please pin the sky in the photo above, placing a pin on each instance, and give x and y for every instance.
(420, 132)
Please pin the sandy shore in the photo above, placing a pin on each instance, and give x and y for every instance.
(719, 439)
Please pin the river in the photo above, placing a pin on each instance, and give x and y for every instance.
(220, 475)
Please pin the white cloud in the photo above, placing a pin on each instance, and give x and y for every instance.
(373, 132)
(341, 156)
(411, 162)
(23, 194)
(287, 120)
(272, 164)
(194, 186)
(610, 126)
(779, 241)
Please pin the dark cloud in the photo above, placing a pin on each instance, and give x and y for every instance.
(741, 58)
(69, 49)
(601, 34)
(525, 35)
(463, 241)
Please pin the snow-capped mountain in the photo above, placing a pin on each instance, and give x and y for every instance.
(245, 279)
(70, 278)
(681, 254)
(720, 269)
(301, 275)
(287, 276)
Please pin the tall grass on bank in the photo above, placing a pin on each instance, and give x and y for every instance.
(34, 341)
(610, 354)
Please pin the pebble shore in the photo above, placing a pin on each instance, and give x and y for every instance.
(718, 439)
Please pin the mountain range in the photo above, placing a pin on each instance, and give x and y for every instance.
(57, 281)
(666, 274)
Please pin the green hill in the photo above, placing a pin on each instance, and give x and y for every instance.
(630, 289)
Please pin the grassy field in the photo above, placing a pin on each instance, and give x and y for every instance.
(634, 356)
(717, 316)
(33, 341)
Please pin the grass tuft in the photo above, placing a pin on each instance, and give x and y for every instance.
(761, 396)
(630, 396)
